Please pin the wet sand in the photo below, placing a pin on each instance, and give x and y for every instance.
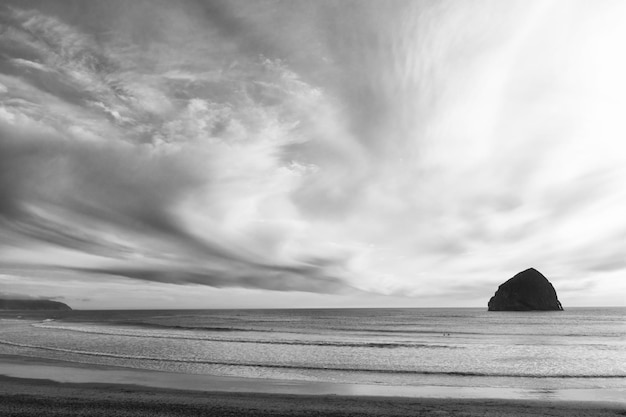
(35, 387)
(34, 397)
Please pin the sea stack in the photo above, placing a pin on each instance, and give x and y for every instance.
(527, 291)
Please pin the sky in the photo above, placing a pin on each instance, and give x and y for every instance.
(235, 154)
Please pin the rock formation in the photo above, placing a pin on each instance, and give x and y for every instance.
(529, 290)
(32, 305)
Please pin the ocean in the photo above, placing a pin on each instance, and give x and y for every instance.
(577, 349)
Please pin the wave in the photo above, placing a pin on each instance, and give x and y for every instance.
(454, 331)
(380, 345)
(183, 327)
(148, 325)
(357, 330)
(317, 368)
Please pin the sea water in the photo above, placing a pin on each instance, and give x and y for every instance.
(581, 348)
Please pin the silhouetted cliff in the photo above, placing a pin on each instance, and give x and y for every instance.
(32, 305)
(526, 291)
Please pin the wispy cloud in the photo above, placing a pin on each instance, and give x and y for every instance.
(171, 192)
(418, 149)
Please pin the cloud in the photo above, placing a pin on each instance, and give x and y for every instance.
(15, 296)
(94, 168)
(268, 277)
(312, 146)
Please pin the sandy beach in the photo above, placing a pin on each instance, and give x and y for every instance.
(31, 387)
(30, 397)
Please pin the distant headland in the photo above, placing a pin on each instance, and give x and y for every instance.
(527, 291)
(7, 304)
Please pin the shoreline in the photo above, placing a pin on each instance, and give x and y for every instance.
(34, 397)
(54, 386)
(33, 368)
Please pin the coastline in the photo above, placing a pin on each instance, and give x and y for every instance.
(35, 397)
(26, 367)
(33, 386)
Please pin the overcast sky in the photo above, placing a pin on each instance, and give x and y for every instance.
(311, 153)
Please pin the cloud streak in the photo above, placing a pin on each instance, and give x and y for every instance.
(91, 163)
(328, 147)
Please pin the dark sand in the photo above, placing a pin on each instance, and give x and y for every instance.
(36, 397)
(43, 387)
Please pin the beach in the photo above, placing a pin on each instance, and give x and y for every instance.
(33, 388)
(370, 362)
(312, 207)
(30, 397)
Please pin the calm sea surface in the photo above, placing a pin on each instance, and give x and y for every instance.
(573, 349)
